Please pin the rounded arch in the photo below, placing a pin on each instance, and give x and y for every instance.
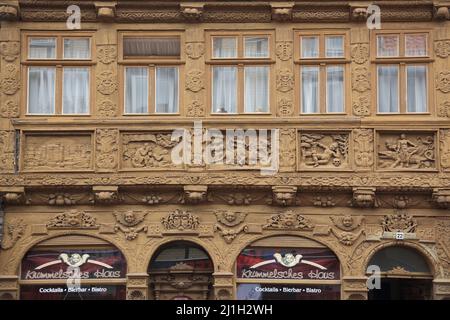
(252, 240)
(166, 241)
(424, 253)
(39, 240)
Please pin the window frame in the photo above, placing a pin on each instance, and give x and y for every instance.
(322, 62)
(151, 63)
(59, 63)
(402, 61)
(240, 62)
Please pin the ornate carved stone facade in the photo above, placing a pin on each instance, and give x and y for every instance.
(355, 182)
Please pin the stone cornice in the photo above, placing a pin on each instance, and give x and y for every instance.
(228, 11)
(414, 181)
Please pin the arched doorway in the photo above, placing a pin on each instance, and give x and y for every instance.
(181, 270)
(73, 267)
(287, 268)
(405, 275)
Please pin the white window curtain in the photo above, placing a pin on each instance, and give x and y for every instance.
(224, 47)
(388, 89)
(257, 89)
(160, 47)
(387, 46)
(224, 89)
(310, 89)
(416, 45)
(335, 89)
(77, 48)
(416, 88)
(256, 47)
(76, 91)
(310, 47)
(334, 46)
(42, 48)
(41, 90)
(136, 90)
(166, 90)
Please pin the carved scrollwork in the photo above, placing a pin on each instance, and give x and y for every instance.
(360, 79)
(10, 79)
(288, 220)
(73, 219)
(10, 109)
(399, 222)
(107, 144)
(360, 53)
(7, 143)
(363, 142)
(195, 109)
(285, 107)
(285, 80)
(361, 105)
(194, 80)
(107, 108)
(10, 50)
(284, 50)
(195, 50)
(442, 48)
(106, 54)
(445, 148)
(180, 220)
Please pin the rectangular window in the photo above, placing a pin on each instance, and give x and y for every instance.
(41, 90)
(310, 89)
(151, 47)
(166, 90)
(310, 47)
(387, 45)
(415, 45)
(388, 89)
(335, 89)
(224, 47)
(78, 49)
(256, 89)
(136, 90)
(76, 91)
(42, 48)
(256, 47)
(224, 97)
(334, 46)
(416, 88)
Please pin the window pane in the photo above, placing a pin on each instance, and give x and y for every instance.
(310, 47)
(256, 47)
(334, 46)
(77, 48)
(76, 91)
(224, 47)
(159, 47)
(335, 89)
(224, 89)
(387, 89)
(416, 45)
(136, 90)
(166, 90)
(42, 48)
(257, 89)
(41, 90)
(416, 88)
(310, 89)
(387, 46)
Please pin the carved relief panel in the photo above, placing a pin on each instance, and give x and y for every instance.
(445, 148)
(320, 150)
(406, 150)
(7, 140)
(46, 152)
(147, 150)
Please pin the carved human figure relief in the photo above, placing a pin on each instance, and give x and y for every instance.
(412, 151)
(324, 150)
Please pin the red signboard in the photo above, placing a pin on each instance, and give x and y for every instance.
(60, 264)
(288, 263)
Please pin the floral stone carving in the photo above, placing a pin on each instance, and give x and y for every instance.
(416, 152)
(228, 222)
(442, 48)
(324, 150)
(360, 79)
(360, 53)
(106, 54)
(288, 220)
(129, 222)
(284, 50)
(147, 150)
(363, 142)
(75, 219)
(107, 144)
(443, 81)
(285, 80)
(14, 230)
(10, 50)
(106, 82)
(194, 50)
(194, 80)
(10, 109)
(10, 79)
(345, 230)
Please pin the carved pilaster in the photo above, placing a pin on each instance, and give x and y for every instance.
(9, 287)
(137, 286)
(107, 146)
(223, 285)
(354, 288)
